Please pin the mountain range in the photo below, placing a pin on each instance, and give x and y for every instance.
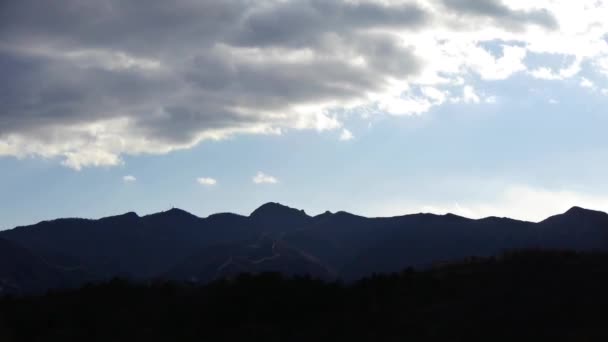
(176, 245)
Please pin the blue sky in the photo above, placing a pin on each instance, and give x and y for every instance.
(443, 106)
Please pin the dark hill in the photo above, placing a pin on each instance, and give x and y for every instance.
(23, 272)
(177, 244)
(522, 296)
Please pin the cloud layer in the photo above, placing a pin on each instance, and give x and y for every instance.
(90, 82)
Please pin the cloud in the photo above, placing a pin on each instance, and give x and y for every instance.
(262, 178)
(491, 68)
(586, 83)
(129, 179)
(154, 78)
(491, 99)
(346, 135)
(602, 65)
(469, 95)
(500, 14)
(206, 181)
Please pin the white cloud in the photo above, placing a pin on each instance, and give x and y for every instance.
(491, 68)
(586, 83)
(262, 178)
(572, 70)
(206, 181)
(434, 94)
(405, 106)
(544, 73)
(602, 65)
(491, 99)
(469, 95)
(346, 135)
(129, 179)
(553, 101)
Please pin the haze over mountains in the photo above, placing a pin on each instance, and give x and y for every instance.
(176, 245)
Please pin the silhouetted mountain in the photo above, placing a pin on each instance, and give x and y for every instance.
(23, 272)
(264, 254)
(176, 244)
(578, 229)
(277, 218)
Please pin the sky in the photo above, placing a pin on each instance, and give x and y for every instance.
(381, 108)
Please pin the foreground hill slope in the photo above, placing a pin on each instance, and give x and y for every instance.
(23, 272)
(524, 296)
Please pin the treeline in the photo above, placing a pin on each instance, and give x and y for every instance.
(526, 295)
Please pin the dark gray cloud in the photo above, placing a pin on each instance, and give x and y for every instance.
(305, 23)
(91, 80)
(137, 26)
(501, 14)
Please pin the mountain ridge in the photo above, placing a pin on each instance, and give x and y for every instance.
(275, 237)
(572, 210)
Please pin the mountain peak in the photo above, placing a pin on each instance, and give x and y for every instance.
(327, 213)
(177, 212)
(274, 209)
(575, 210)
(582, 211)
(130, 214)
(455, 217)
(277, 217)
(174, 209)
(172, 213)
(578, 214)
(126, 216)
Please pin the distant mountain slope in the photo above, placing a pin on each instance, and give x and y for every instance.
(128, 245)
(578, 228)
(274, 237)
(23, 272)
(264, 254)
